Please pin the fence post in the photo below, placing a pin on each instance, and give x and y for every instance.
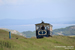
(9, 35)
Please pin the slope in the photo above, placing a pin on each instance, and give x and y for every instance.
(12, 31)
(65, 31)
(22, 43)
(29, 34)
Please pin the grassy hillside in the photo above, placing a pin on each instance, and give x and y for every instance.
(70, 30)
(65, 31)
(29, 34)
(12, 31)
(46, 43)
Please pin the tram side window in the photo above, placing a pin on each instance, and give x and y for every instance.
(37, 27)
(47, 27)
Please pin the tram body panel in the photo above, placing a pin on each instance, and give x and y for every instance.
(42, 33)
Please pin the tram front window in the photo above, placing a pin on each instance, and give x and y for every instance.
(42, 27)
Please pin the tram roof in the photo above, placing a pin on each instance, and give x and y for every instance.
(42, 23)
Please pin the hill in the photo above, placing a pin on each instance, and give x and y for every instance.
(65, 31)
(29, 34)
(12, 31)
(47, 43)
(68, 31)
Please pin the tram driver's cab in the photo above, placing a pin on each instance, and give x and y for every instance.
(43, 30)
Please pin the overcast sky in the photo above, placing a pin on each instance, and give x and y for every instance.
(51, 11)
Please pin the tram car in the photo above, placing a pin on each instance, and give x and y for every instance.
(43, 30)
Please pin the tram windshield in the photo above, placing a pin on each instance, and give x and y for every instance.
(42, 27)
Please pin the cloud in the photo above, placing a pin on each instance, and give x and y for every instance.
(19, 2)
(27, 25)
(1, 2)
(63, 24)
(15, 2)
(11, 2)
(56, 26)
(22, 25)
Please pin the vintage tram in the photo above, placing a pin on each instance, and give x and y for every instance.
(43, 30)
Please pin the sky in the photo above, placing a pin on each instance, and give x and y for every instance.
(22, 15)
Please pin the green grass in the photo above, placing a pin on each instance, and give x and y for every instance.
(46, 43)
